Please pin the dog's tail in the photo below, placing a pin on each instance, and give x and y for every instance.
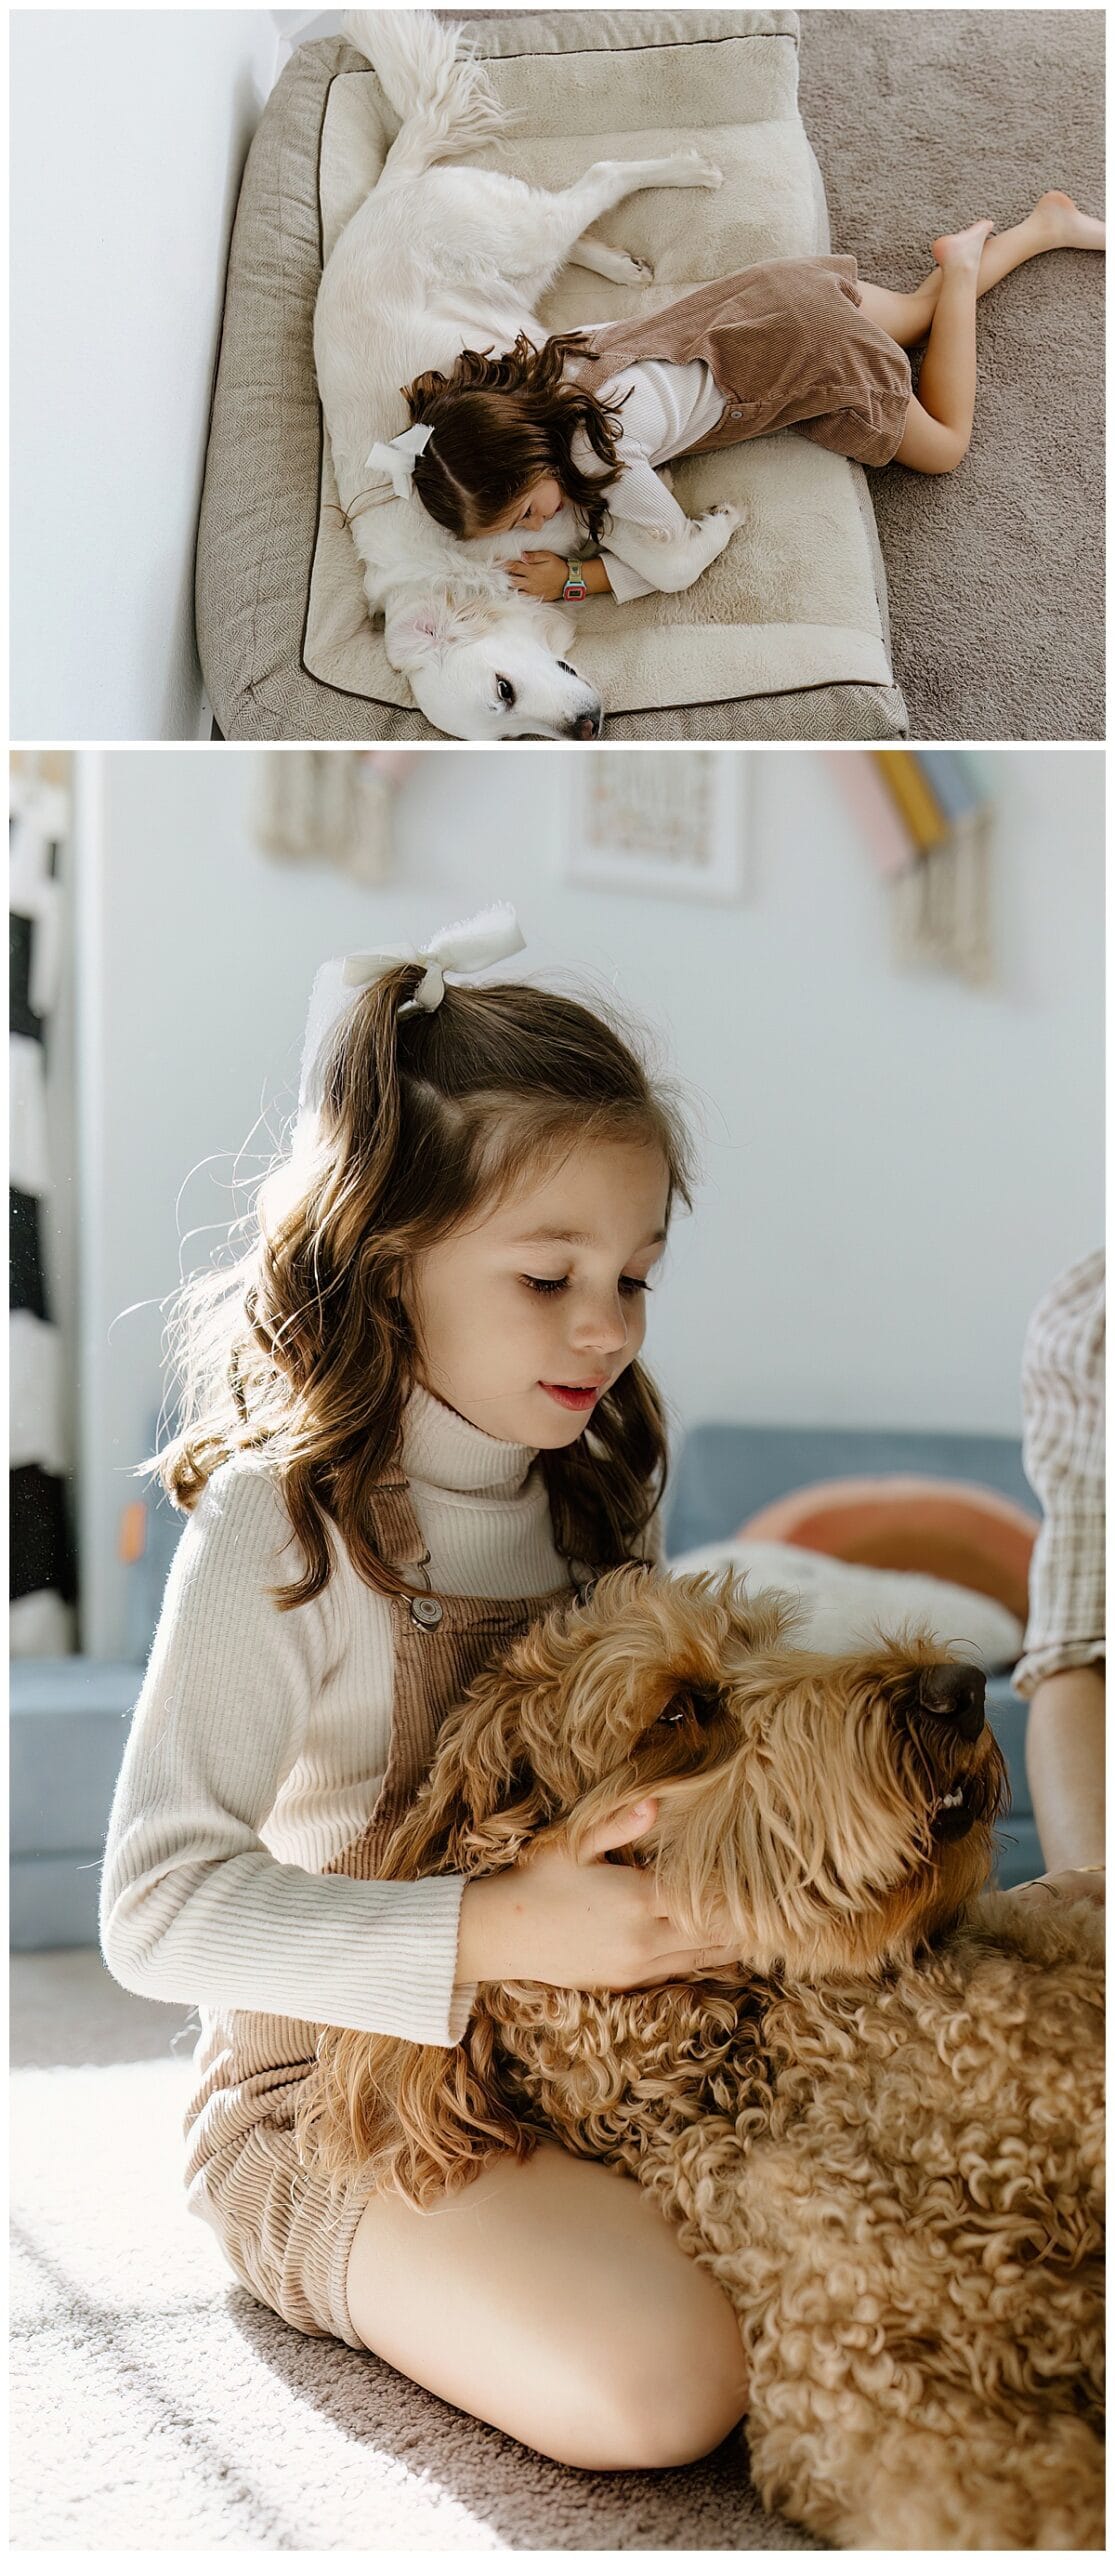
(442, 94)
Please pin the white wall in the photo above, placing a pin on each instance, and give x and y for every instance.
(304, 26)
(129, 133)
(895, 1165)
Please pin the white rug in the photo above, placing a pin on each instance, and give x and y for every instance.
(156, 2406)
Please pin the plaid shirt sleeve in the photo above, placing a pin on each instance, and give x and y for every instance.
(1063, 1454)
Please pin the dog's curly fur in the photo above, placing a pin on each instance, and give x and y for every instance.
(882, 2134)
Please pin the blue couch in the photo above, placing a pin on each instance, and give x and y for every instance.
(725, 1471)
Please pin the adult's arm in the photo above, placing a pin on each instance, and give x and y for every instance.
(1062, 1667)
(1065, 1735)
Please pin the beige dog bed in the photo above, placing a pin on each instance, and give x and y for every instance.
(784, 637)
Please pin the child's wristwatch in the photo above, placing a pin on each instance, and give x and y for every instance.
(574, 591)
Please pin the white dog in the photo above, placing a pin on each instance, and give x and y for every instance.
(438, 259)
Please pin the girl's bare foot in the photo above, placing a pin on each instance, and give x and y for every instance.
(1065, 226)
(962, 248)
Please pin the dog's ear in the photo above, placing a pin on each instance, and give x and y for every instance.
(555, 628)
(482, 1801)
(414, 632)
(429, 2115)
(417, 631)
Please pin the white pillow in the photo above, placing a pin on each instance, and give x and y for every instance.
(845, 1604)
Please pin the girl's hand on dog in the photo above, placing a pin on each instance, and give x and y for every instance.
(578, 1922)
(1068, 1884)
(538, 573)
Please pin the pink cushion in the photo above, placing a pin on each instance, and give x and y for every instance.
(912, 1524)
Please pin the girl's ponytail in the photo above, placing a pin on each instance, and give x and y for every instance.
(361, 1097)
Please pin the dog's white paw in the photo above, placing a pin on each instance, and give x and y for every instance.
(617, 264)
(733, 514)
(698, 172)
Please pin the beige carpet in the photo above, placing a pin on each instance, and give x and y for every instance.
(921, 121)
(157, 2407)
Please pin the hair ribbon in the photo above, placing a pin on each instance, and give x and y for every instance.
(399, 457)
(465, 949)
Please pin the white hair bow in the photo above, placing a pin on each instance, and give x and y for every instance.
(399, 457)
(465, 949)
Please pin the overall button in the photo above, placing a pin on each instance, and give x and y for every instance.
(426, 1612)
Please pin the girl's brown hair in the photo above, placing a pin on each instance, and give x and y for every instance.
(303, 1347)
(502, 422)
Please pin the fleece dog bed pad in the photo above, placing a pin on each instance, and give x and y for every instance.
(793, 613)
(843, 1605)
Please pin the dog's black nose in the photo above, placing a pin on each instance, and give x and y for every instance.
(588, 726)
(956, 1690)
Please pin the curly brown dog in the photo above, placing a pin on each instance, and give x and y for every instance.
(883, 2137)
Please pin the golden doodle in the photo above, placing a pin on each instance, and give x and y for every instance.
(882, 2133)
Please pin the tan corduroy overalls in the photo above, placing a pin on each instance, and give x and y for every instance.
(787, 344)
(282, 2234)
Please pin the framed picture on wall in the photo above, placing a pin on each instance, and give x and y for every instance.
(671, 821)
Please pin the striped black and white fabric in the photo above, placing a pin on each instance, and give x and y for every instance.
(43, 1579)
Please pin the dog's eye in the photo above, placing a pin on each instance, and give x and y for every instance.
(692, 1706)
(566, 669)
(505, 690)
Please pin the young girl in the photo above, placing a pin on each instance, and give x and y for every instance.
(513, 441)
(414, 1416)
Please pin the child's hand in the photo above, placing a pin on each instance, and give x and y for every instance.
(578, 1922)
(538, 573)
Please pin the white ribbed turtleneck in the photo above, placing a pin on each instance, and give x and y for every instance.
(441, 1449)
(259, 1744)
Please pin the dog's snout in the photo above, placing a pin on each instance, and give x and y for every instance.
(956, 1690)
(588, 725)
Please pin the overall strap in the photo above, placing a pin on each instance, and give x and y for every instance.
(441, 1646)
(398, 1538)
(441, 1642)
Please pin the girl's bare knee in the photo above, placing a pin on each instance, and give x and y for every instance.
(616, 2353)
(679, 2421)
(675, 2401)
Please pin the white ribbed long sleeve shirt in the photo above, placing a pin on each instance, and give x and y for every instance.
(668, 408)
(259, 1744)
